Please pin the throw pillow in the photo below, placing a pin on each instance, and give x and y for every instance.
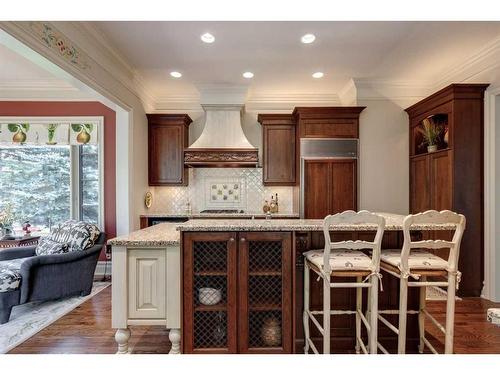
(48, 247)
(79, 235)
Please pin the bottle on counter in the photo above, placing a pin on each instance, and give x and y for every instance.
(187, 208)
(272, 205)
(266, 207)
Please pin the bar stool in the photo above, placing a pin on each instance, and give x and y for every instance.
(419, 265)
(345, 259)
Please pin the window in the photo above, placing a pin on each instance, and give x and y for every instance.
(48, 183)
(89, 183)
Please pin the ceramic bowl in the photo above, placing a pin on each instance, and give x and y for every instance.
(209, 296)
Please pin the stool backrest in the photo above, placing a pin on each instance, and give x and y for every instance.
(347, 218)
(445, 218)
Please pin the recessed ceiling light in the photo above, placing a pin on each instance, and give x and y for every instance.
(248, 75)
(208, 38)
(176, 74)
(318, 75)
(308, 38)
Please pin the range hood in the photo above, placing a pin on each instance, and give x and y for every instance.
(222, 142)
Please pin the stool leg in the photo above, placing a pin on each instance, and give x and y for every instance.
(450, 314)
(403, 306)
(421, 315)
(326, 315)
(373, 319)
(359, 300)
(305, 316)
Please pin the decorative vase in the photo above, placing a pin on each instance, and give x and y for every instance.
(271, 332)
(432, 148)
(446, 137)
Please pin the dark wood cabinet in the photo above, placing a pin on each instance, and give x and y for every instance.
(210, 292)
(330, 186)
(420, 184)
(167, 138)
(328, 122)
(252, 310)
(279, 149)
(452, 177)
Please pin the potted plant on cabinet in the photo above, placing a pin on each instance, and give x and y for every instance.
(431, 133)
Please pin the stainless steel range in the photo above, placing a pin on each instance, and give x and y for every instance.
(222, 212)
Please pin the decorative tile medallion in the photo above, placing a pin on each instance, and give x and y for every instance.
(225, 192)
(57, 42)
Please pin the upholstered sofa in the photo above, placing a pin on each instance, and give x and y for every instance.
(28, 277)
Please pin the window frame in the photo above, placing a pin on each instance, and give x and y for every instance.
(75, 176)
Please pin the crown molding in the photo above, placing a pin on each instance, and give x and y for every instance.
(480, 63)
(279, 101)
(187, 102)
(127, 75)
(373, 89)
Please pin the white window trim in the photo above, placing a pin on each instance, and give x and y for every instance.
(75, 178)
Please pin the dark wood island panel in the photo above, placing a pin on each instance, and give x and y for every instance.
(225, 259)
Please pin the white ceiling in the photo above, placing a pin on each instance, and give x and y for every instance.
(400, 52)
(21, 79)
(393, 51)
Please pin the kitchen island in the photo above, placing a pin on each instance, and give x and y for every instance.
(146, 283)
(254, 268)
(241, 283)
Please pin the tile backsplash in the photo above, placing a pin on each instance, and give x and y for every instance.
(221, 188)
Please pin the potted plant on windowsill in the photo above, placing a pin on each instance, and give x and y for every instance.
(431, 133)
(6, 221)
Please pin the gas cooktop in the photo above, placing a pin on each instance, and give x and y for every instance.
(222, 212)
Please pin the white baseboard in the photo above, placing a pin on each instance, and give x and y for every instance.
(102, 267)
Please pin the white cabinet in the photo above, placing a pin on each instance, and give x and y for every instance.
(146, 291)
(146, 284)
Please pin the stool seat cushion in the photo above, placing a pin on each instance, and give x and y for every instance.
(10, 276)
(418, 259)
(341, 260)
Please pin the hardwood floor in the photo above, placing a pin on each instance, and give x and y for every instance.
(87, 330)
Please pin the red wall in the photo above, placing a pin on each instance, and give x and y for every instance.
(21, 108)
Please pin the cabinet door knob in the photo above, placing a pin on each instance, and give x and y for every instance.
(231, 239)
(243, 239)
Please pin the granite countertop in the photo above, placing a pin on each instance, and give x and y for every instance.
(164, 234)
(167, 234)
(196, 215)
(393, 222)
